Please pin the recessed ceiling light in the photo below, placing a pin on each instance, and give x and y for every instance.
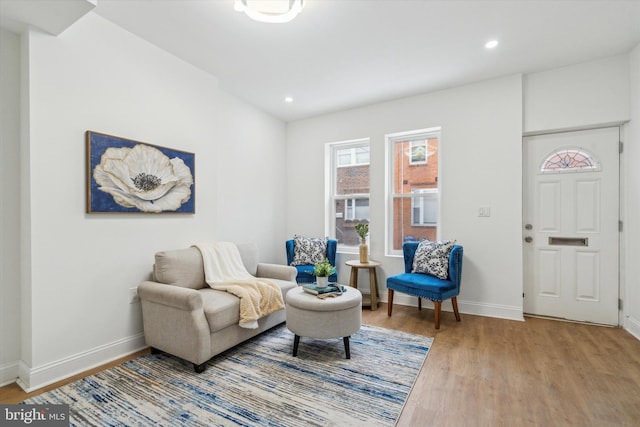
(288, 99)
(491, 44)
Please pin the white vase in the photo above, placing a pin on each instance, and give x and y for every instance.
(322, 282)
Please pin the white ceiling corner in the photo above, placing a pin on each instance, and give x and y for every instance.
(50, 16)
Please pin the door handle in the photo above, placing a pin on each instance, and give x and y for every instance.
(528, 239)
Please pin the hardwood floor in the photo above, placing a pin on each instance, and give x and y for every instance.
(14, 394)
(492, 372)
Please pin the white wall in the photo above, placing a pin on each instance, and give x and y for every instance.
(9, 205)
(632, 201)
(481, 165)
(576, 96)
(250, 179)
(95, 76)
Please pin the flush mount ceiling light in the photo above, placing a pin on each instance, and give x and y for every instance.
(491, 44)
(274, 11)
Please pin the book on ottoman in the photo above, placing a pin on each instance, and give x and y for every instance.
(316, 290)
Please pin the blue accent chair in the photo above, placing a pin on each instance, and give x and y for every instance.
(305, 272)
(426, 286)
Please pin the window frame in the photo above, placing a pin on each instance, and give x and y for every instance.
(331, 168)
(390, 141)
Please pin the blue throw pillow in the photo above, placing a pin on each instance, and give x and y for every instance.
(433, 258)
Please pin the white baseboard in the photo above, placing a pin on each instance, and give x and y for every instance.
(31, 379)
(632, 326)
(491, 310)
(465, 307)
(8, 373)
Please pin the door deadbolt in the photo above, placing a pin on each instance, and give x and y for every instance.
(528, 226)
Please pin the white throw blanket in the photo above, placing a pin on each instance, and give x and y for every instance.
(224, 271)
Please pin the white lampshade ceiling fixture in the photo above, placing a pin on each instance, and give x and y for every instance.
(274, 11)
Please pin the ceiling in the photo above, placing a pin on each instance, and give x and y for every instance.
(340, 54)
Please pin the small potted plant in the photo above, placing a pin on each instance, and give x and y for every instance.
(362, 230)
(322, 271)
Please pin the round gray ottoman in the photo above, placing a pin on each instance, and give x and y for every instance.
(310, 316)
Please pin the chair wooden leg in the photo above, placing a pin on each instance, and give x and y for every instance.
(419, 304)
(390, 302)
(454, 301)
(438, 306)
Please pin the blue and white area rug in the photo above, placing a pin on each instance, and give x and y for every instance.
(258, 383)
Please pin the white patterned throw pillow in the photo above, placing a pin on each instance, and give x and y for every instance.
(433, 258)
(308, 250)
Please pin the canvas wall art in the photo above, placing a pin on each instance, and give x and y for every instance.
(126, 176)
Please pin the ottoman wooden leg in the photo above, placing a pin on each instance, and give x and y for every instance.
(296, 341)
(346, 347)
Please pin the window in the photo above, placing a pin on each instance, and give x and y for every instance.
(424, 209)
(356, 209)
(413, 192)
(569, 160)
(352, 156)
(418, 152)
(347, 190)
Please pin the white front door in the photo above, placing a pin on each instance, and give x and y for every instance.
(570, 225)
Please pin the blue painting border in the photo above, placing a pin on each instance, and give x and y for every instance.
(101, 202)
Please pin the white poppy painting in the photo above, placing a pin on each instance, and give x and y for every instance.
(130, 176)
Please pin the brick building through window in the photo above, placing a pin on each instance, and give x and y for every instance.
(353, 180)
(415, 176)
(351, 190)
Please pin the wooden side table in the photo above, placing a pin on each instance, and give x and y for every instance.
(373, 280)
